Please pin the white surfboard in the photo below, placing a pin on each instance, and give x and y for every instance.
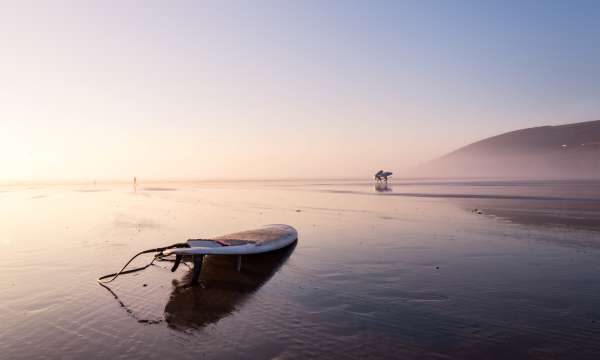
(268, 238)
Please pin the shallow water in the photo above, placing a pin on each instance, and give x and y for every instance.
(407, 271)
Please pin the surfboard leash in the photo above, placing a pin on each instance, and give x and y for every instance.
(159, 253)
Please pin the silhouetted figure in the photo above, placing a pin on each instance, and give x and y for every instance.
(134, 184)
(382, 175)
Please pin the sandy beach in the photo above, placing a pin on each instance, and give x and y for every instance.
(300, 180)
(376, 272)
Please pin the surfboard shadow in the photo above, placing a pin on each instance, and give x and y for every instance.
(222, 288)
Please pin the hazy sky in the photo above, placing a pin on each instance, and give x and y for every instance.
(252, 89)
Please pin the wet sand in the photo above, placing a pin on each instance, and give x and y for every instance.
(403, 271)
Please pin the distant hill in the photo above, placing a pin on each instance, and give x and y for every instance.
(565, 151)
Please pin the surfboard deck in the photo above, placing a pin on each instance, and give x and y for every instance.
(267, 238)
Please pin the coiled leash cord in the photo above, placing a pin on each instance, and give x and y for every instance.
(159, 254)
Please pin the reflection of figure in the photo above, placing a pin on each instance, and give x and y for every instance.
(382, 175)
(223, 288)
(134, 184)
(382, 187)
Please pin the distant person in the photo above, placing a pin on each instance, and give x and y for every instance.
(134, 184)
(382, 175)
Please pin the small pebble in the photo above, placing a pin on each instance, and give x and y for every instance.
(145, 285)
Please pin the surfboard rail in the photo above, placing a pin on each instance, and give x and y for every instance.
(267, 238)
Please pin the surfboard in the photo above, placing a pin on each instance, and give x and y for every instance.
(267, 238)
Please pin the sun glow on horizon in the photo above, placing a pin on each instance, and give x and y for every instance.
(217, 90)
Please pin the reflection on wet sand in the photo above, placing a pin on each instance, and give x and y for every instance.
(382, 187)
(222, 290)
(582, 215)
(379, 275)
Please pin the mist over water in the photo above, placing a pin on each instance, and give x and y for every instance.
(569, 151)
(458, 269)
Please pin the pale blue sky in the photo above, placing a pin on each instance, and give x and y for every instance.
(252, 89)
